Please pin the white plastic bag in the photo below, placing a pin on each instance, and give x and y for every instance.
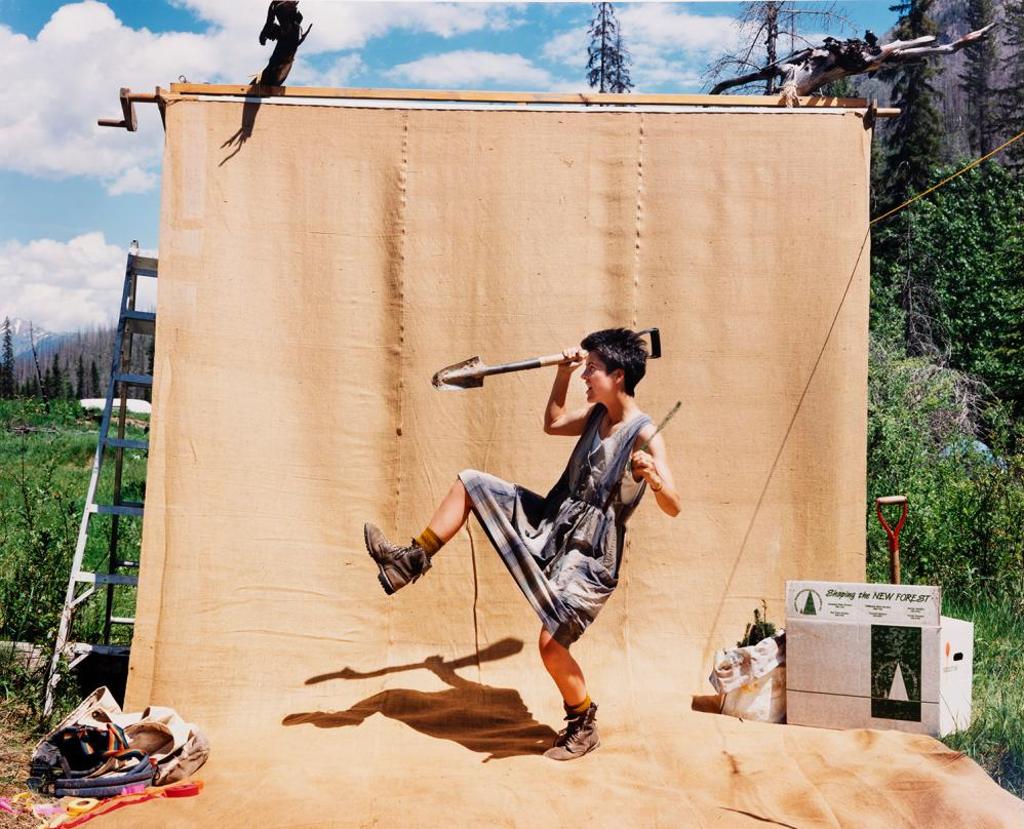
(752, 680)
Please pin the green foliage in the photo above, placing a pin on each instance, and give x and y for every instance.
(966, 503)
(759, 629)
(947, 274)
(45, 465)
(839, 88)
(996, 736)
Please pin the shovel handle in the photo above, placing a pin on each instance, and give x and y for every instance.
(893, 532)
(520, 365)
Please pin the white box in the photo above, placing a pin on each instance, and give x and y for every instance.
(876, 656)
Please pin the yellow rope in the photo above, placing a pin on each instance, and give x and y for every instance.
(948, 179)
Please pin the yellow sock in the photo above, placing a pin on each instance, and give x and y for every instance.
(429, 541)
(579, 708)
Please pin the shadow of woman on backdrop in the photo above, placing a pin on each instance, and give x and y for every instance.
(492, 721)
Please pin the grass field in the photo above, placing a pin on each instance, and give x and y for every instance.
(45, 463)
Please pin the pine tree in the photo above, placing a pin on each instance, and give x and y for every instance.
(7, 384)
(840, 88)
(915, 138)
(94, 380)
(607, 57)
(908, 168)
(979, 73)
(619, 80)
(68, 388)
(55, 390)
(1012, 103)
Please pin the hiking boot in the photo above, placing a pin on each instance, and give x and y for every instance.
(398, 565)
(579, 736)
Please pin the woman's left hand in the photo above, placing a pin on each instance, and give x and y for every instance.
(643, 467)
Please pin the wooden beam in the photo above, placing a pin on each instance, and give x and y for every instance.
(476, 96)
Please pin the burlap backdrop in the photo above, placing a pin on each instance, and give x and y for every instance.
(312, 279)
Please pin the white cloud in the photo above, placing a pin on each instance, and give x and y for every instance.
(132, 180)
(670, 46)
(338, 26)
(61, 286)
(339, 73)
(69, 75)
(569, 47)
(469, 67)
(674, 29)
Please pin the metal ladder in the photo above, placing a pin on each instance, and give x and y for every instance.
(130, 322)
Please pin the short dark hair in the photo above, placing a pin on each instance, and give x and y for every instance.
(620, 348)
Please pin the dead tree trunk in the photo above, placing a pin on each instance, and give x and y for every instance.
(805, 71)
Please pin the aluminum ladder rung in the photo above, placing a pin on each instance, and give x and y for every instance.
(106, 578)
(122, 620)
(139, 322)
(145, 265)
(82, 650)
(122, 443)
(81, 597)
(116, 509)
(109, 650)
(133, 379)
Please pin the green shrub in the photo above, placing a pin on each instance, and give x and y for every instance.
(966, 503)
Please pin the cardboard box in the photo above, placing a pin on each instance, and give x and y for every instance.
(876, 656)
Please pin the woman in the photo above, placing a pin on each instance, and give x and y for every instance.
(564, 549)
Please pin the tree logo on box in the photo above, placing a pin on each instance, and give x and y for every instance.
(896, 672)
(807, 602)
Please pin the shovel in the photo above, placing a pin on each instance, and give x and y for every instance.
(470, 374)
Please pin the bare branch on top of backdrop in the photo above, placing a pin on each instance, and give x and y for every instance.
(807, 70)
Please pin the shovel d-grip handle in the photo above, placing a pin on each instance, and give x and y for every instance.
(893, 532)
(655, 341)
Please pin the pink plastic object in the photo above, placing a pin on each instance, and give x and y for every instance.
(47, 809)
(134, 789)
(5, 805)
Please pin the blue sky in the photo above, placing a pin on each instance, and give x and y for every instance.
(73, 195)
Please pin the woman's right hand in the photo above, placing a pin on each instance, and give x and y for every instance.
(574, 358)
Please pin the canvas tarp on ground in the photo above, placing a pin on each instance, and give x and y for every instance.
(317, 266)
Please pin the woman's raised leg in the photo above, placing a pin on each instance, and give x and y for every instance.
(451, 513)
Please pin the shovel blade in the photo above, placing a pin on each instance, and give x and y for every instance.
(464, 375)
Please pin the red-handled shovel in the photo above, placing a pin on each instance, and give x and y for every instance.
(893, 532)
